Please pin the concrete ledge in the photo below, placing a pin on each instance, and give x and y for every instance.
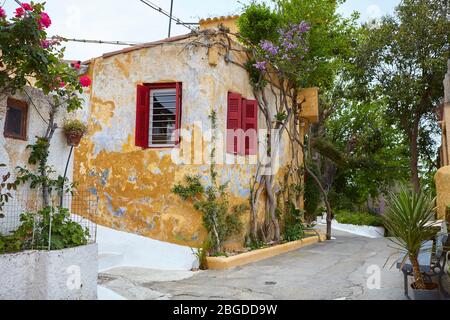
(364, 231)
(221, 263)
(69, 274)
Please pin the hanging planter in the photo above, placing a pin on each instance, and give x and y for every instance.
(74, 131)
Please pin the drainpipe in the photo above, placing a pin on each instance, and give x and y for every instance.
(61, 201)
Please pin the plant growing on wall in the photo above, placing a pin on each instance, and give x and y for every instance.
(5, 189)
(30, 59)
(211, 200)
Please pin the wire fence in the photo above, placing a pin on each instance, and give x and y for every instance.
(41, 230)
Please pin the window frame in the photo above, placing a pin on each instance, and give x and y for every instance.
(23, 106)
(178, 110)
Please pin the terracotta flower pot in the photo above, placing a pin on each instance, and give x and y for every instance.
(74, 139)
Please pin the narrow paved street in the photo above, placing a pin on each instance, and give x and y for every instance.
(336, 269)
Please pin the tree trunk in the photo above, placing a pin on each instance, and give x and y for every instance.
(414, 161)
(272, 207)
(418, 277)
(325, 199)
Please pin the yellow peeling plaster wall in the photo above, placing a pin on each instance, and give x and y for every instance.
(134, 185)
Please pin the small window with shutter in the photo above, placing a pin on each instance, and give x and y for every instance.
(158, 115)
(16, 119)
(242, 125)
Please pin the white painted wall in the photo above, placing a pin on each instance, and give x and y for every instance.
(69, 274)
(118, 249)
(13, 152)
(365, 231)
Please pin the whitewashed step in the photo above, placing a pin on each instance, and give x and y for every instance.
(108, 260)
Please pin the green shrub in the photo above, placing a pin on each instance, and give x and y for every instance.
(312, 195)
(358, 218)
(75, 127)
(64, 233)
(293, 224)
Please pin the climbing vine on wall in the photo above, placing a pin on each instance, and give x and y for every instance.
(219, 219)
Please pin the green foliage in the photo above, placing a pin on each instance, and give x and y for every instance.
(202, 253)
(358, 218)
(10, 244)
(75, 127)
(369, 153)
(5, 189)
(330, 40)
(311, 195)
(34, 231)
(39, 151)
(211, 200)
(293, 224)
(256, 76)
(259, 22)
(407, 221)
(25, 58)
(402, 62)
(65, 233)
(59, 184)
(191, 188)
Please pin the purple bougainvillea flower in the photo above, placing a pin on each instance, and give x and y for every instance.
(260, 65)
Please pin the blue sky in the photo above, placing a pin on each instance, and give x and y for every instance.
(132, 21)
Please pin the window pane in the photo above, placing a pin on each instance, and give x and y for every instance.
(14, 121)
(162, 116)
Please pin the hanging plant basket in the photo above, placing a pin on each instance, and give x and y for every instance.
(74, 131)
(74, 140)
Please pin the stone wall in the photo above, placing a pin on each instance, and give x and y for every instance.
(134, 185)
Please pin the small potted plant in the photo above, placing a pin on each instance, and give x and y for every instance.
(407, 221)
(74, 131)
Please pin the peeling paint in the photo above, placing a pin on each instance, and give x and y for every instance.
(135, 185)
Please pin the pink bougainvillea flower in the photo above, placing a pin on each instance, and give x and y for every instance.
(20, 12)
(2, 13)
(85, 81)
(62, 84)
(44, 20)
(76, 65)
(45, 44)
(27, 6)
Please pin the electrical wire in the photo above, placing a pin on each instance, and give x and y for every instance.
(167, 14)
(118, 43)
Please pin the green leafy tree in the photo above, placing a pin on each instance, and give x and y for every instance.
(403, 59)
(308, 49)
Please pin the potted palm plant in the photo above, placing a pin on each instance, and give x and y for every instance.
(408, 222)
(74, 131)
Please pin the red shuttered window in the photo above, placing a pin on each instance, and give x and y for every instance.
(158, 115)
(242, 125)
(234, 123)
(250, 126)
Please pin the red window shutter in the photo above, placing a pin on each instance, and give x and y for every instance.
(234, 122)
(179, 88)
(250, 126)
(142, 116)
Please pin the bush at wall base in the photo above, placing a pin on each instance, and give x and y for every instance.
(28, 270)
